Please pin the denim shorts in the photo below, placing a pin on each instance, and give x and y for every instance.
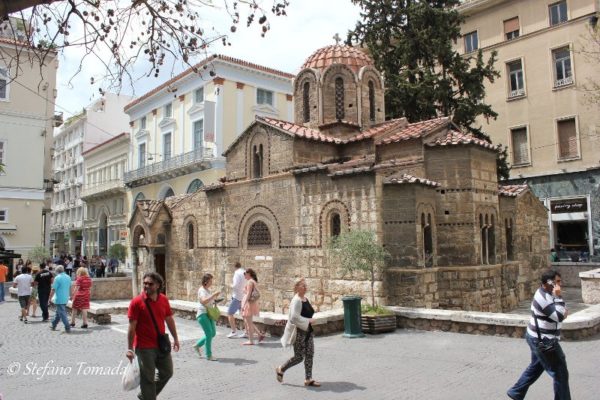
(234, 306)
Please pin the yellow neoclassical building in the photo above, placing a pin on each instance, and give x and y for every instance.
(180, 128)
(551, 128)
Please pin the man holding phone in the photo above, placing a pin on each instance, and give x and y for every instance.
(548, 310)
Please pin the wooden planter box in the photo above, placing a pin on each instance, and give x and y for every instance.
(378, 323)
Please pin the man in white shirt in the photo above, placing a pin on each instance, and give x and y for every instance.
(236, 299)
(23, 285)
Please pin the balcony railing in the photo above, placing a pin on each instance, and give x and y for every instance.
(516, 93)
(563, 82)
(97, 188)
(170, 164)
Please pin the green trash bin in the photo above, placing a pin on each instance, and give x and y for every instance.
(352, 316)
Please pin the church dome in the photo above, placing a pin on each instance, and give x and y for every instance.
(352, 57)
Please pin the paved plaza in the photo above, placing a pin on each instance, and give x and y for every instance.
(36, 363)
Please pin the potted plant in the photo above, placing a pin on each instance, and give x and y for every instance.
(358, 251)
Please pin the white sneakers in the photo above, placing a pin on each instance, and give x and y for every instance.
(232, 335)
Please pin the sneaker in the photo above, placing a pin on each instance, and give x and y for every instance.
(52, 328)
(212, 358)
(232, 335)
(25, 321)
(21, 318)
(242, 335)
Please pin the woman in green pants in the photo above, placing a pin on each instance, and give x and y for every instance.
(206, 298)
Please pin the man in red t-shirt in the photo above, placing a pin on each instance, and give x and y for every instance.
(3, 273)
(142, 336)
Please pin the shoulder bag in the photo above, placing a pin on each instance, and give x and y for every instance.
(547, 347)
(213, 312)
(164, 344)
(255, 295)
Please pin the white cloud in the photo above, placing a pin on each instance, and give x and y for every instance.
(309, 25)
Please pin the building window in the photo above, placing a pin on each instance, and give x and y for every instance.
(515, 76)
(264, 97)
(139, 197)
(198, 134)
(511, 28)
(427, 239)
(339, 98)
(558, 12)
(520, 147)
(190, 235)
(2, 152)
(257, 159)
(563, 73)
(336, 225)
(194, 186)
(199, 95)
(143, 123)
(259, 235)
(371, 101)
(306, 102)
(141, 155)
(3, 84)
(567, 139)
(169, 110)
(471, 42)
(509, 239)
(4, 215)
(166, 146)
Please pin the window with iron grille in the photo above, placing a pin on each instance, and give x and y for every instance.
(306, 102)
(259, 235)
(339, 98)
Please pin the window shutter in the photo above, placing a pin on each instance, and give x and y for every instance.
(519, 143)
(567, 138)
(511, 25)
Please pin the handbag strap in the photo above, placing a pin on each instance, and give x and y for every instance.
(152, 316)
(537, 327)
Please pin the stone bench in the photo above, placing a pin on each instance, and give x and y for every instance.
(590, 286)
(99, 313)
(580, 325)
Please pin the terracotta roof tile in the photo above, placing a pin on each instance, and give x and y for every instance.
(455, 138)
(199, 66)
(416, 130)
(213, 186)
(352, 57)
(512, 190)
(298, 130)
(400, 178)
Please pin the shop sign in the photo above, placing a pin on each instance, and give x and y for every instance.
(568, 206)
(123, 234)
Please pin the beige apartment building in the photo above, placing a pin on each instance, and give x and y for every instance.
(105, 221)
(551, 128)
(26, 123)
(180, 129)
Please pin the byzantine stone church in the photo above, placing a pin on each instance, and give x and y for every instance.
(428, 190)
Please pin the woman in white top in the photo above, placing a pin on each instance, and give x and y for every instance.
(206, 298)
(300, 316)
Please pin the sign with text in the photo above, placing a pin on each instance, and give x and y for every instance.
(123, 234)
(568, 206)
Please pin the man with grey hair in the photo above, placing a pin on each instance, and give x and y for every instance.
(62, 288)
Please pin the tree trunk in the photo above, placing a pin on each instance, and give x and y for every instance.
(373, 289)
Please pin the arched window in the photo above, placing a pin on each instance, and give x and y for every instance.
(335, 225)
(484, 244)
(371, 101)
(190, 235)
(509, 239)
(427, 239)
(339, 98)
(257, 159)
(139, 196)
(306, 102)
(259, 235)
(194, 186)
(168, 193)
(491, 241)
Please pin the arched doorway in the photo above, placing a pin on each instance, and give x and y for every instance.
(103, 234)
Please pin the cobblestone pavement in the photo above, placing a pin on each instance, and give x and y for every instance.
(36, 363)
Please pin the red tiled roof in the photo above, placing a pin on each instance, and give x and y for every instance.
(416, 130)
(400, 178)
(352, 57)
(511, 190)
(454, 138)
(299, 130)
(383, 127)
(199, 66)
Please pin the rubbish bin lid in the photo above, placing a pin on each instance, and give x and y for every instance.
(348, 298)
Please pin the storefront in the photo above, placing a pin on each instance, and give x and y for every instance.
(570, 224)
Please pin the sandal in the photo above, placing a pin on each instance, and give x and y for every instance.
(261, 337)
(312, 382)
(250, 343)
(198, 350)
(279, 375)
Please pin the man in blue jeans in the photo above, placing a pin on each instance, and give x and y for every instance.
(549, 309)
(62, 288)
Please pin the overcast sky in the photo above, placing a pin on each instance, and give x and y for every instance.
(309, 25)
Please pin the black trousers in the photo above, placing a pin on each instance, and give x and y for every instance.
(43, 296)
